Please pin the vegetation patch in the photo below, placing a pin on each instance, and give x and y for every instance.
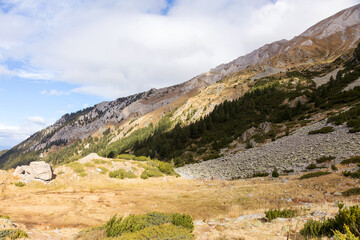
(278, 213)
(323, 130)
(12, 234)
(19, 184)
(355, 174)
(4, 216)
(351, 160)
(122, 174)
(151, 226)
(346, 217)
(314, 174)
(324, 159)
(99, 161)
(78, 168)
(103, 170)
(133, 157)
(260, 174)
(351, 191)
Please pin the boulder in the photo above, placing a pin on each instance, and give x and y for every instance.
(265, 127)
(35, 171)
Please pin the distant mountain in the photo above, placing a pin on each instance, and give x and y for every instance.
(109, 123)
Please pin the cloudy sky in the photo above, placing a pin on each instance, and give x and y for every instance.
(64, 55)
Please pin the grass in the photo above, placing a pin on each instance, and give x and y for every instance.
(4, 216)
(323, 130)
(314, 174)
(77, 168)
(122, 174)
(12, 234)
(103, 170)
(19, 184)
(351, 191)
(278, 213)
(99, 161)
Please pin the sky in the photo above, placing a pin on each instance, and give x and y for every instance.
(60, 56)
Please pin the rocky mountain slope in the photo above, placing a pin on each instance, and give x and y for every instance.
(189, 101)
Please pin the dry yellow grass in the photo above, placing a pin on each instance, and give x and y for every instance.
(71, 203)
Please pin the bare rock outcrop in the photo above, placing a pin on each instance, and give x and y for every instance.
(40, 171)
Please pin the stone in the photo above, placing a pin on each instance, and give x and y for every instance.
(265, 127)
(39, 170)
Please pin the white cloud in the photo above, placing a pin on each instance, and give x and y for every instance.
(54, 92)
(11, 135)
(36, 120)
(116, 48)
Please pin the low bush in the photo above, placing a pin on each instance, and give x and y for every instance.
(352, 174)
(333, 167)
(351, 160)
(12, 234)
(103, 170)
(133, 225)
(151, 172)
(162, 231)
(345, 217)
(4, 216)
(311, 166)
(348, 235)
(351, 191)
(278, 213)
(275, 173)
(323, 130)
(19, 184)
(314, 174)
(325, 159)
(121, 173)
(165, 167)
(260, 174)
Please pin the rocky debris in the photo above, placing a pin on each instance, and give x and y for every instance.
(293, 152)
(325, 79)
(91, 157)
(40, 171)
(352, 85)
(5, 223)
(263, 128)
(317, 213)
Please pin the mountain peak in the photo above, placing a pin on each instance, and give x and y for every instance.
(337, 23)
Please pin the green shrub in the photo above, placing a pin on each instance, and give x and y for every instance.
(325, 159)
(275, 173)
(151, 172)
(168, 232)
(165, 168)
(351, 160)
(19, 184)
(333, 167)
(323, 130)
(260, 174)
(103, 170)
(4, 216)
(136, 223)
(348, 235)
(182, 220)
(311, 166)
(133, 157)
(345, 217)
(12, 234)
(278, 213)
(351, 191)
(314, 174)
(89, 165)
(121, 173)
(352, 174)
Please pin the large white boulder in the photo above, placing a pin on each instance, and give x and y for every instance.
(35, 171)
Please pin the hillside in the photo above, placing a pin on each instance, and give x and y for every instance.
(122, 125)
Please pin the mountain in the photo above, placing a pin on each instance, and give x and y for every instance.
(126, 122)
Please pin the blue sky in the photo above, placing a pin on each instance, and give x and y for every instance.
(62, 56)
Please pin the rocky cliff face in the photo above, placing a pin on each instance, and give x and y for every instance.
(323, 42)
